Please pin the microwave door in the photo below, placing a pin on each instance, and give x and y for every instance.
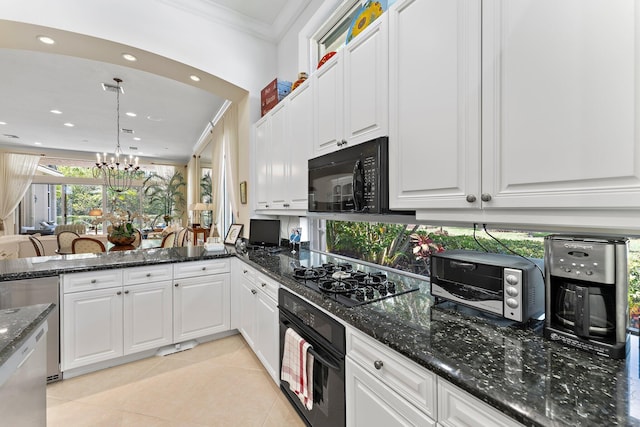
(358, 186)
(331, 187)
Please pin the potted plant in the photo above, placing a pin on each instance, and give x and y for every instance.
(165, 195)
(122, 234)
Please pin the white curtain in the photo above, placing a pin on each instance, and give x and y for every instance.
(231, 157)
(16, 175)
(217, 142)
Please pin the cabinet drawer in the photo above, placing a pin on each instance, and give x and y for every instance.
(248, 273)
(198, 268)
(150, 274)
(456, 407)
(408, 379)
(266, 285)
(91, 280)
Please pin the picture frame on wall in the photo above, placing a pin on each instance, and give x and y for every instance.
(233, 233)
(243, 192)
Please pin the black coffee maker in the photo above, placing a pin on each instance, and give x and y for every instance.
(586, 281)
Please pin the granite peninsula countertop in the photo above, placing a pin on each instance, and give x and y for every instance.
(17, 324)
(515, 370)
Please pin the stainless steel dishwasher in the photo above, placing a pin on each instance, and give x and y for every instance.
(20, 293)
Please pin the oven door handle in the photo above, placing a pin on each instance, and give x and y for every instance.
(322, 360)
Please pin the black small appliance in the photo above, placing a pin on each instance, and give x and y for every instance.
(264, 232)
(586, 287)
(352, 180)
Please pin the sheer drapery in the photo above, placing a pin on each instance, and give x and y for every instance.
(216, 173)
(16, 174)
(231, 157)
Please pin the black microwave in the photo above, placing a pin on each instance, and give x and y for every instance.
(353, 179)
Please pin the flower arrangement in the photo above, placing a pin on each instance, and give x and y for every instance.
(424, 246)
(122, 230)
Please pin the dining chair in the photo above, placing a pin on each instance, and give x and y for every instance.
(65, 238)
(181, 237)
(169, 240)
(37, 245)
(87, 245)
(138, 240)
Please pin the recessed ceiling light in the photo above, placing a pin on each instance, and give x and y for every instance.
(46, 40)
(155, 119)
(194, 78)
(135, 138)
(3, 123)
(37, 143)
(131, 114)
(55, 111)
(69, 125)
(129, 57)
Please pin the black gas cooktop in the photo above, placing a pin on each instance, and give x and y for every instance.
(348, 286)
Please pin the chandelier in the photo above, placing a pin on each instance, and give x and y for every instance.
(118, 171)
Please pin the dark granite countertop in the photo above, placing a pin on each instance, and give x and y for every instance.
(514, 369)
(17, 324)
(47, 266)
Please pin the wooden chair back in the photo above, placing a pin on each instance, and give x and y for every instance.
(138, 239)
(181, 238)
(87, 245)
(65, 238)
(37, 245)
(169, 240)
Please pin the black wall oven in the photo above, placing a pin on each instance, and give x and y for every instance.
(327, 339)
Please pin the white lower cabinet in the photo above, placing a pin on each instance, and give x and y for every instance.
(457, 408)
(148, 317)
(259, 318)
(372, 403)
(91, 327)
(383, 388)
(201, 302)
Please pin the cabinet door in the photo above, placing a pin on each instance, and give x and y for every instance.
(366, 84)
(300, 125)
(267, 335)
(262, 165)
(560, 102)
(200, 306)
(434, 93)
(279, 156)
(328, 105)
(248, 311)
(372, 403)
(148, 316)
(91, 327)
(457, 408)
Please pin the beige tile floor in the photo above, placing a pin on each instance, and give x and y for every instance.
(220, 383)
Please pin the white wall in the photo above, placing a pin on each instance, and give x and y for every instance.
(164, 27)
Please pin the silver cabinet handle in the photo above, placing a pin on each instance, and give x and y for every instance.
(378, 364)
(204, 268)
(176, 285)
(126, 292)
(119, 293)
(486, 197)
(264, 284)
(245, 271)
(266, 206)
(148, 274)
(93, 281)
(471, 198)
(253, 291)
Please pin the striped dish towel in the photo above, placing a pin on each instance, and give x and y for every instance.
(297, 367)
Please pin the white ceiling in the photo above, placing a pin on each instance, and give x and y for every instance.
(171, 116)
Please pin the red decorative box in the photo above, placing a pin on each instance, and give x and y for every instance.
(273, 93)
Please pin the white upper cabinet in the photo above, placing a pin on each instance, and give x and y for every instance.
(519, 112)
(351, 92)
(434, 93)
(262, 141)
(277, 154)
(300, 140)
(560, 96)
